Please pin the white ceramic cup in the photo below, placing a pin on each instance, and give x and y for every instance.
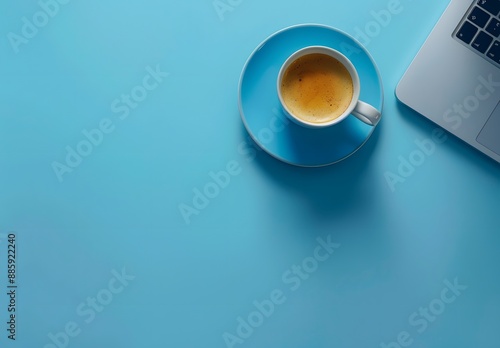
(365, 112)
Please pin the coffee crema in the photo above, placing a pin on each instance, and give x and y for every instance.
(317, 88)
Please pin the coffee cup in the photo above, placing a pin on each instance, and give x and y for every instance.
(319, 87)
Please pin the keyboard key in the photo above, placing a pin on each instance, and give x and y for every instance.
(494, 52)
(493, 27)
(479, 17)
(492, 6)
(467, 32)
(482, 42)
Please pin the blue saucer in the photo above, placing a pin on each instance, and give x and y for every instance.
(261, 110)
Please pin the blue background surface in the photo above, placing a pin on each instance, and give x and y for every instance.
(119, 208)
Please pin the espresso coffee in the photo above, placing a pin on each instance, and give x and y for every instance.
(317, 88)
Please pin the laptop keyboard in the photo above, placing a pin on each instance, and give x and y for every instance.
(480, 29)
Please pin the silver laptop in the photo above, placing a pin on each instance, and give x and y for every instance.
(455, 78)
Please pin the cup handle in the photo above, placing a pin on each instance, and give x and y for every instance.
(366, 113)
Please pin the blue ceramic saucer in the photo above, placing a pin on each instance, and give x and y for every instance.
(261, 110)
